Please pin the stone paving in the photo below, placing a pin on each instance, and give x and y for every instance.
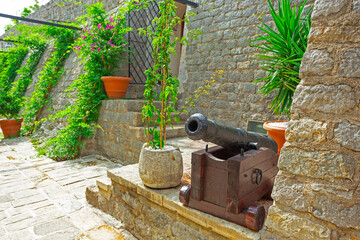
(44, 199)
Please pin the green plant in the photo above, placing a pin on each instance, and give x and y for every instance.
(25, 12)
(63, 38)
(100, 49)
(163, 46)
(11, 63)
(281, 53)
(202, 90)
(104, 36)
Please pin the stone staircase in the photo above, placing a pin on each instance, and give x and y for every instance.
(122, 134)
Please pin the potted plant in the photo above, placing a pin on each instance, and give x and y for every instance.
(160, 165)
(10, 99)
(104, 40)
(281, 53)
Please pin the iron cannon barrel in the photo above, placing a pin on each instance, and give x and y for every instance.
(234, 139)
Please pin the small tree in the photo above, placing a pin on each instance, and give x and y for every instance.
(160, 74)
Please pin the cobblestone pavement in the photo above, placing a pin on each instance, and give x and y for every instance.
(44, 199)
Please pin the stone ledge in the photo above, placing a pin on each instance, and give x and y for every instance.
(168, 200)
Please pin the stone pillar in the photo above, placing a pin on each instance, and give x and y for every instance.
(317, 193)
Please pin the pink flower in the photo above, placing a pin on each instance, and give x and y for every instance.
(98, 49)
(84, 37)
(111, 20)
(93, 44)
(136, 3)
(113, 45)
(99, 25)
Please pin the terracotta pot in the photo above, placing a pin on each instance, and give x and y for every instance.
(277, 132)
(11, 127)
(115, 87)
(160, 168)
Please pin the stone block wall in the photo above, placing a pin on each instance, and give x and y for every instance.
(228, 27)
(59, 97)
(69, 12)
(316, 193)
(122, 135)
(157, 213)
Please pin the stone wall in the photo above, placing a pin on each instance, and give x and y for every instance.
(69, 12)
(157, 213)
(59, 97)
(228, 27)
(122, 134)
(316, 193)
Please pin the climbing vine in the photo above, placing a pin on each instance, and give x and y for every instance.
(163, 45)
(11, 62)
(63, 38)
(101, 47)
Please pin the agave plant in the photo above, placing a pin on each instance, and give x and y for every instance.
(282, 49)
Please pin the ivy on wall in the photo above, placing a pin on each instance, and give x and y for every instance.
(26, 72)
(10, 63)
(49, 76)
(101, 46)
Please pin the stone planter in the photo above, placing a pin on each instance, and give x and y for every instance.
(11, 128)
(160, 168)
(276, 130)
(115, 87)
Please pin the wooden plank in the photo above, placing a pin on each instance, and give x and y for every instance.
(246, 188)
(256, 157)
(252, 218)
(247, 176)
(217, 211)
(233, 168)
(256, 194)
(197, 175)
(215, 186)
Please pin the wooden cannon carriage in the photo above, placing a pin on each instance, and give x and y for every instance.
(225, 182)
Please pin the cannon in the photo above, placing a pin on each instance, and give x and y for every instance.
(227, 180)
(234, 140)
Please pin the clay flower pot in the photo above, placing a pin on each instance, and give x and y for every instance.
(160, 168)
(115, 87)
(11, 127)
(276, 130)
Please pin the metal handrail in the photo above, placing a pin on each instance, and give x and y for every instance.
(37, 21)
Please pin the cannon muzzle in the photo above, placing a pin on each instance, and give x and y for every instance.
(233, 139)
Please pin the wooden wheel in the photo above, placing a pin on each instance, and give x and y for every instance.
(254, 216)
(184, 195)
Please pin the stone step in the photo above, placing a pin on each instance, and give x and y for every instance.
(104, 187)
(104, 183)
(128, 118)
(177, 131)
(124, 105)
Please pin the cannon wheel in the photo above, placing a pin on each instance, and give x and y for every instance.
(184, 195)
(255, 216)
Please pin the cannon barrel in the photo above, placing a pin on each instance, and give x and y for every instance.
(233, 139)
